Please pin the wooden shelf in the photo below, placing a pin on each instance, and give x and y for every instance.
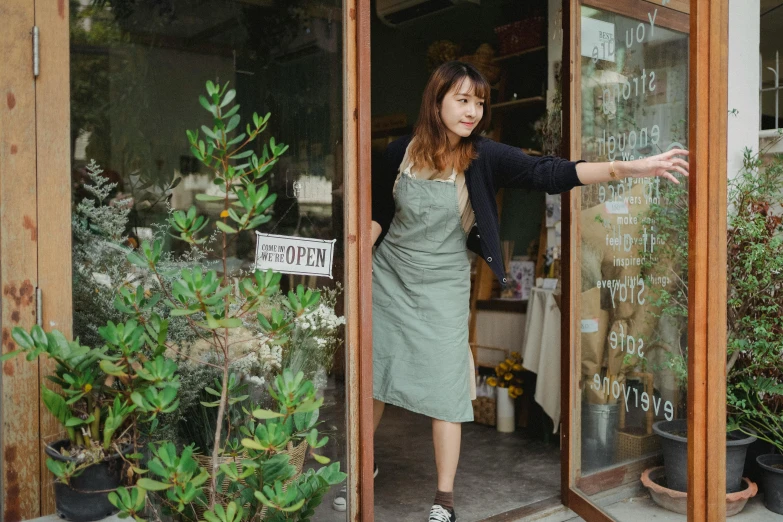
(502, 305)
(518, 104)
(520, 53)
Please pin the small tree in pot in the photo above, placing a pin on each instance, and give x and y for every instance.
(107, 398)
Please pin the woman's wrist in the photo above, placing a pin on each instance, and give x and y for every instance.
(620, 169)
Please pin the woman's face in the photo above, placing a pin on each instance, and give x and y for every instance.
(461, 110)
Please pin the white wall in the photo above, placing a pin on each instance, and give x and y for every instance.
(744, 35)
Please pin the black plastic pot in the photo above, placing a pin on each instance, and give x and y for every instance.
(86, 497)
(752, 468)
(772, 480)
(674, 443)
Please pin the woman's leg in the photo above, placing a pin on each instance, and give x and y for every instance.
(377, 413)
(446, 436)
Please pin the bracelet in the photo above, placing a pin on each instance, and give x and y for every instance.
(612, 173)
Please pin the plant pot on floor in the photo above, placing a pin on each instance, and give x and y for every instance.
(86, 497)
(772, 480)
(674, 442)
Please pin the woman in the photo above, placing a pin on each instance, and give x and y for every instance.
(436, 197)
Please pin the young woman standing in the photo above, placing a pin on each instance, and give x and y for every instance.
(434, 199)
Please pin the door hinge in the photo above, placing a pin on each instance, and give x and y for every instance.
(38, 307)
(36, 55)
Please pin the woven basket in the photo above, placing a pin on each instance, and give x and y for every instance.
(633, 442)
(297, 456)
(484, 411)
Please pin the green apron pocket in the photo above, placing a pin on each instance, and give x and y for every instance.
(437, 220)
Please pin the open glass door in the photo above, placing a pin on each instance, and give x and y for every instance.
(629, 245)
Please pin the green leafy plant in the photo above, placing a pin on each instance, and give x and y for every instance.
(107, 396)
(214, 303)
(754, 291)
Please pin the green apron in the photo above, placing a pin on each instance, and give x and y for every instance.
(421, 303)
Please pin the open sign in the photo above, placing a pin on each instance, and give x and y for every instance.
(294, 255)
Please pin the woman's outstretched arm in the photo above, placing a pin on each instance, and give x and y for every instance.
(662, 165)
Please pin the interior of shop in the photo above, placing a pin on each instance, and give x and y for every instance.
(506, 462)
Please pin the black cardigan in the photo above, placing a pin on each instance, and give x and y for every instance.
(497, 166)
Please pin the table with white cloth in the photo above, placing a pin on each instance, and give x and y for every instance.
(541, 350)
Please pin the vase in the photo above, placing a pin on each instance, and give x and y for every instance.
(505, 421)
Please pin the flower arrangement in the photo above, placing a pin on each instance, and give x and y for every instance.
(508, 374)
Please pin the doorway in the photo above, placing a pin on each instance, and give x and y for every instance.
(511, 43)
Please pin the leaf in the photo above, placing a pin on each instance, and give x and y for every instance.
(10, 355)
(179, 312)
(251, 444)
(230, 95)
(207, 197)
(225, 228)
(152, 485)
(266, 414)
(322, 459)
(231, 322)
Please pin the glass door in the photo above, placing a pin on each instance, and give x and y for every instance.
(629, 283)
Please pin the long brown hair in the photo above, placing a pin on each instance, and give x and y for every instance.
(430, 146)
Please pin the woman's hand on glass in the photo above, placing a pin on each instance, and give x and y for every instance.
(663, 165)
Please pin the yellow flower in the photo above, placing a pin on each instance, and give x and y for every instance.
(492, 381)
(508, 376)
(517, 367)
(509, 362)
(224, 214)
(503, 366)
(87, 387)
(516, 355)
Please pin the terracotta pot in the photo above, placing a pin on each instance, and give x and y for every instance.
(654, 479)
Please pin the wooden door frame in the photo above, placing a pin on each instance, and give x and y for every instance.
(35, 239)
(708, 110)
(358, 244)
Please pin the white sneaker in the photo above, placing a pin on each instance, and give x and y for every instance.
(439, 513)
(340, 502)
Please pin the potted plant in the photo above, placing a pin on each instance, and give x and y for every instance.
(235, 315)
(755, 259)
(107, 398)
(755, 390)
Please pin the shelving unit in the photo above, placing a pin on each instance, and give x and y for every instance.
(519, 103)
(505, 57)
(507, 114)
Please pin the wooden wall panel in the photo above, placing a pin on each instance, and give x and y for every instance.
(52, 93)
(18, 261)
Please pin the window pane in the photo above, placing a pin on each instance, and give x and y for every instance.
(138, 70)
(634, 244)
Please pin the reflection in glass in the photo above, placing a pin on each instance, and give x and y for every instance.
(138, 69)
(634, 77)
